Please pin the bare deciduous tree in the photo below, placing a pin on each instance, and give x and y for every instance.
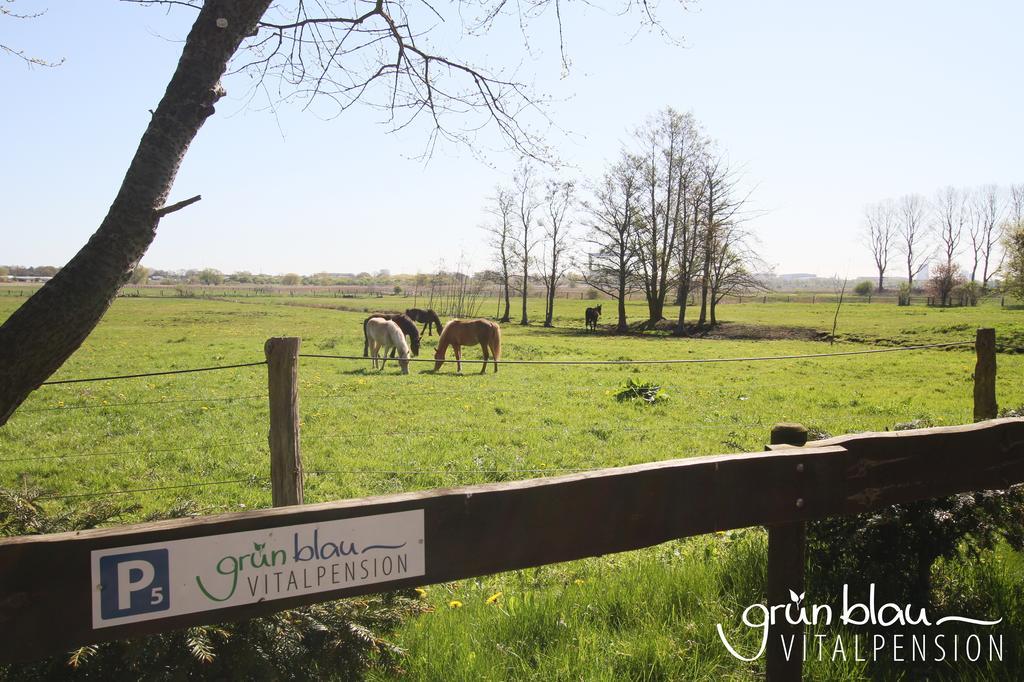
(559, 198)
(733, 266)
(912, 235)
(526, 205)
(667, 141)
(987, 234)
(720, 210)
(879, 233)
(951, 212)
(612, 255)
(501, 234)
(690, 191)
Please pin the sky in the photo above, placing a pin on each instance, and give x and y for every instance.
(825, 107)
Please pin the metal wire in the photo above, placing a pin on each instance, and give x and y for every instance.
(153, 374)
(682, 361)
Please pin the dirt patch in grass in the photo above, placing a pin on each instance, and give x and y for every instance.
(746, 332)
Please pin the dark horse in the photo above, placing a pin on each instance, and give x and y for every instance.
(428, 317)
(407, 326)
(592, 316)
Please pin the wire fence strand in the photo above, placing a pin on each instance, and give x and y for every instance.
(675, 361)
(153, 374)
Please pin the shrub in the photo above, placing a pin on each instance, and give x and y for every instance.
(944, 280)
(863, 288)
(903, 297)
(593, 294)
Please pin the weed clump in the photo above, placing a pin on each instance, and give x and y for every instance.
(641, 392)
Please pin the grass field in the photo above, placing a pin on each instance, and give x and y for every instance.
(642, 615)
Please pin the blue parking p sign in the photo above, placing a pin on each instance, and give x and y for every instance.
(134, 583)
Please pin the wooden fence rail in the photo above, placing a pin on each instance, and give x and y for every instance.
(61, 591)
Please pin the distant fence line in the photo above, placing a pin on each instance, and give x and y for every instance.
(579, 292)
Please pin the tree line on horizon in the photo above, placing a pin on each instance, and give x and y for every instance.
(966, 236)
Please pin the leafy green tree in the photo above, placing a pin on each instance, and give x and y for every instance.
(1014, 269)
(210, 276)
(863, 288)
(291, 280)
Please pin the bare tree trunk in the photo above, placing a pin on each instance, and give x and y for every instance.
(622, 327)
(526, 284)
(684, 294)
(40, 336)
(505, 317)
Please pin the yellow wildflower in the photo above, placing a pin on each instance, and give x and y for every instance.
(455, 604)
(421, 592)
(494, 597)
(361, 381)
(579, 581)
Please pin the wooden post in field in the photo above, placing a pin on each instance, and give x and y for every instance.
(283, 382)
(786, 550)
(985, 375)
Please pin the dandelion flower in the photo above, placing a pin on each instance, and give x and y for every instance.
(421, 592)
(579, 581)
(494, 597)
(455, 604)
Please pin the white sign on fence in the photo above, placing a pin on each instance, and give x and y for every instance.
(164, 579)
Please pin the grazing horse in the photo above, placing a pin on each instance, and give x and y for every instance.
(461, 332)
(407, 326)
(387, 334)
(593, 314)
(428, 317)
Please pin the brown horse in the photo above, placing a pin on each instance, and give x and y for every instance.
(428, 317)
(461, 332)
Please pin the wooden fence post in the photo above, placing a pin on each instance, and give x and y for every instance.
(786, 558)
(283, 383)
(985, 406)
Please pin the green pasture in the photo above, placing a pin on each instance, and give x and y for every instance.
(642, 615)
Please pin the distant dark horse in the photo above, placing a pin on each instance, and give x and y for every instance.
(593, 314)
(407, 326)
(428, 317)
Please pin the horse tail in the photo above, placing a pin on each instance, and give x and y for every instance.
(366, 340)
(496, 345)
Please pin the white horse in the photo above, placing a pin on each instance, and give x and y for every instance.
(381, 332)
